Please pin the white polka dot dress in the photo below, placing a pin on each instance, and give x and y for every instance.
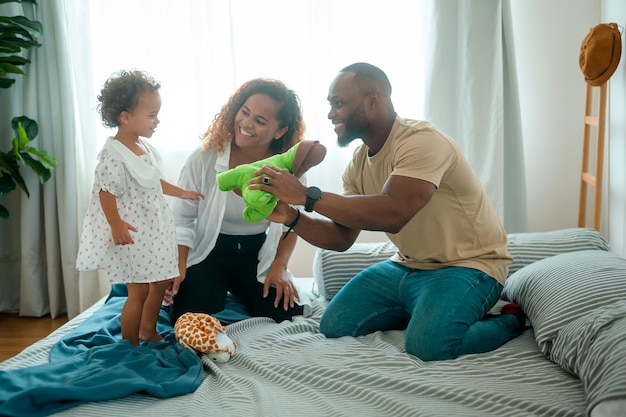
(135, 182)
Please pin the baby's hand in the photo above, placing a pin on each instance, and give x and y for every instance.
(121, 233)
(192, 195)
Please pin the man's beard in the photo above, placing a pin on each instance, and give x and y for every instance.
(354, 128)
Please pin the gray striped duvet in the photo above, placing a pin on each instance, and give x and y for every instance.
(593, 347)
(289, 369)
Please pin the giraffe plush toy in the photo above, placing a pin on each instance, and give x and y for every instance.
(204, 334)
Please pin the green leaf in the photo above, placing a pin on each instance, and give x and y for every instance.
(6, 82)
(19, 1)
(33, 27)
(11, 32)
(42, 172)
(29, 125)
(22, 139)
(4, 213)
(9, 163)
(8, 47)
(6, 68)
(19, 180)
(14, 59)
(21, 43)
(15, 149)
(6, 183)
(45, 157)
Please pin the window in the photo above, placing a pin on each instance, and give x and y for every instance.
(202, 50)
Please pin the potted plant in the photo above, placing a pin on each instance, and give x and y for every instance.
(18, 33)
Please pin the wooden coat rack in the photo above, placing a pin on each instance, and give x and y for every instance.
(600, 53)
(587, 179)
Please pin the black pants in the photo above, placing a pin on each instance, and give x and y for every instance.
(231, 266)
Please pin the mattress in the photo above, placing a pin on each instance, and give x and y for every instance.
(290, 369)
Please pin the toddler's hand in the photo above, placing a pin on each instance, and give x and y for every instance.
(121, 233)
(192, 195)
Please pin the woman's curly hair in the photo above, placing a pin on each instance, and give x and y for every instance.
(222, 130)
(121, 93)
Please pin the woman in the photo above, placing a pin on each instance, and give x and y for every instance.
(218, 251)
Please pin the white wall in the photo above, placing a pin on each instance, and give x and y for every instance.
(548, 36)
(614, 223)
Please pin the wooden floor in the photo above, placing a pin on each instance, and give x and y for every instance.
(17, 332)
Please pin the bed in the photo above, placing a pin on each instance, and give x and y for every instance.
(571, 361)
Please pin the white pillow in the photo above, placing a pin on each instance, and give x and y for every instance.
(557, 290)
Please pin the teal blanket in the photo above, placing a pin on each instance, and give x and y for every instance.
(94, 363)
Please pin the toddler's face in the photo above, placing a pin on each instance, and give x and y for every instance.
(144, 117)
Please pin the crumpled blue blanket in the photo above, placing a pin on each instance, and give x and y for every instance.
(94, 363)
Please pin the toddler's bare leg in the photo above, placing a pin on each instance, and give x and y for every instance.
(132, 311)
(151, 308)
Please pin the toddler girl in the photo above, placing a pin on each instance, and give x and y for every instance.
(128, 229)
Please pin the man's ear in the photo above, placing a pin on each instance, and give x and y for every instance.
(373, 98)
(280, 132)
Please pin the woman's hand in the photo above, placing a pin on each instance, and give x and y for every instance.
(285, 289)
(282, 213)
(171, 292)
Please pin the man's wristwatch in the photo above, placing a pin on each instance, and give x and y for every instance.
(312, 195)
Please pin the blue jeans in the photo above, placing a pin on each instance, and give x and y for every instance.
(442, 310)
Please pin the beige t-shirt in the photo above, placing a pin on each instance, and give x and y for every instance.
(459, 225)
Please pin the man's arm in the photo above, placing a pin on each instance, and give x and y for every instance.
(320, 232)
(400, 199)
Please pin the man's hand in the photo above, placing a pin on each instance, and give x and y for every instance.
(281, 184)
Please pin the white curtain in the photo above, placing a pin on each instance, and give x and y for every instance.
(471, 93)
(39, 244)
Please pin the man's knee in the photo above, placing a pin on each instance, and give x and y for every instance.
(329, 329)
(431, 348)
(431, 354)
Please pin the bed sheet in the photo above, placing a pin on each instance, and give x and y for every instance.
(289, 368)
(94, 363)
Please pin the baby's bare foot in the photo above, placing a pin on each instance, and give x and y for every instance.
(150, 336)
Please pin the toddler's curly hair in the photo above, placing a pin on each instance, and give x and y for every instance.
(121, 93)
(222, 130)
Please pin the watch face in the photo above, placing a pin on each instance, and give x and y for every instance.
(313, 193)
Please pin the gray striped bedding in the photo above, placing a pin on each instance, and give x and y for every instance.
(333, 269)
(556, 291)
(290, 369)
(593, 348)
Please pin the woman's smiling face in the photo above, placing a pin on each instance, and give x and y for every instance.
(256, 123)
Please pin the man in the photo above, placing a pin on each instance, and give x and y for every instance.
(409, 180)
